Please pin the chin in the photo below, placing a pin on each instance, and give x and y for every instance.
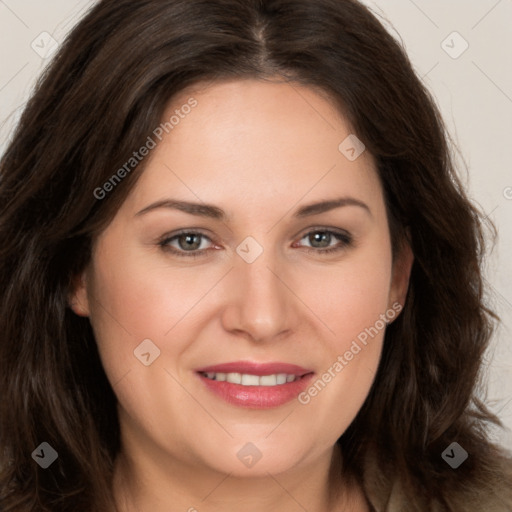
(255, 459)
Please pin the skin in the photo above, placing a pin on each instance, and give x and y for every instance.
(259, 150)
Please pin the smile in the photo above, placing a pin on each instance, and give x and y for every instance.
(255, 385)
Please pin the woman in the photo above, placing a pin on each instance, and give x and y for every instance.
(237, 266)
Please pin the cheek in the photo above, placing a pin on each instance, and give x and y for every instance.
(133, 299)
(352, 303)
(350, 296)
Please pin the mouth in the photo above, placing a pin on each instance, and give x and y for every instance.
(255, 385)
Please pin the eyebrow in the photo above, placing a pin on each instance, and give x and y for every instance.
(214, 212)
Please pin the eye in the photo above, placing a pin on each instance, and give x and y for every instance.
(185, 243)
(321, 240)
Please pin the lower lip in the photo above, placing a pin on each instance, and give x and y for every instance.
(257, 397)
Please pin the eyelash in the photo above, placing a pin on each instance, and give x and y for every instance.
(344, 237)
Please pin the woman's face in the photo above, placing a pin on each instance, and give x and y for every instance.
(219, 257)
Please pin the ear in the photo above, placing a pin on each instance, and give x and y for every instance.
(77, 299)
(401, 273)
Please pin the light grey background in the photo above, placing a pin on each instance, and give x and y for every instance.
(473, 89)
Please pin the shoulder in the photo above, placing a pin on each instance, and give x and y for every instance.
(490, 492)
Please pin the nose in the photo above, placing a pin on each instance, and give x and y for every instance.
(261, 304)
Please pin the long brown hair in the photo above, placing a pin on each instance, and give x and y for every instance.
(101, 98)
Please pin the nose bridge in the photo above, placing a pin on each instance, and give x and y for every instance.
(260, 304)
(259, 281)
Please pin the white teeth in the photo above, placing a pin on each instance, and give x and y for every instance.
(234, 378)
(281, 378)
(246, 379)
(268, 380)
(250, 380)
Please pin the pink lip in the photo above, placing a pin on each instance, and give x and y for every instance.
(257, 397)
(260, 369)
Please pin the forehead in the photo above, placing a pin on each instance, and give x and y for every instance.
(256, 142)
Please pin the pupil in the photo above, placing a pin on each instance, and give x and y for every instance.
(189, 241)
(322, 237)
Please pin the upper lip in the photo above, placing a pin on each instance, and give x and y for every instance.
(253, 368)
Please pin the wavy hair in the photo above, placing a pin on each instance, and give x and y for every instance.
(102, 95)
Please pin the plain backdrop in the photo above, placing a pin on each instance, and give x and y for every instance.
(462, 51)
